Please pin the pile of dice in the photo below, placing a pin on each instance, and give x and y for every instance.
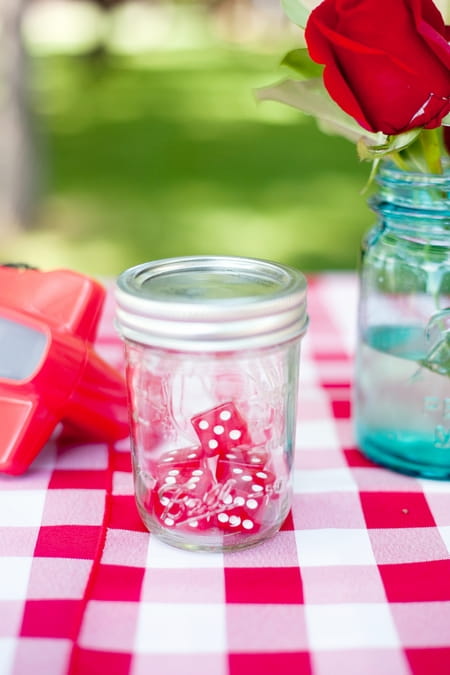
(226, 482)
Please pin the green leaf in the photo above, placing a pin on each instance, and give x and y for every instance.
(300, 61)
(438, 339)
(367, 151)
(311, 97)
(296, 11)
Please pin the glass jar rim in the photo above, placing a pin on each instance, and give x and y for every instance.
(218, 303)
(421, 200)
(390, 174)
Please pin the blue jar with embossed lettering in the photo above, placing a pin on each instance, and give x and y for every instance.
(402, 378)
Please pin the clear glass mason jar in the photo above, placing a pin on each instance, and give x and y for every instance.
(402, 379)
(212, 354)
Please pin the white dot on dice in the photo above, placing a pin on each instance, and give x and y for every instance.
(213, 444)
(235, 434)
(203, 424)
(225, 415)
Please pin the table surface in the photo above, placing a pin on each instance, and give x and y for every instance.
(357, 581)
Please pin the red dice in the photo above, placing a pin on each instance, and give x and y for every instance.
(249, 489)
(182, 481)
(256, 456)
(225, 483)
(220, 429)
(191, 455)
(246, 478)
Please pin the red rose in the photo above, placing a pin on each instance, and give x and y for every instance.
(386, 64)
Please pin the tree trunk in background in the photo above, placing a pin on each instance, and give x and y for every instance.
(17, 161)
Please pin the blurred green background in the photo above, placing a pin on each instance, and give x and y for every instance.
(150, 143)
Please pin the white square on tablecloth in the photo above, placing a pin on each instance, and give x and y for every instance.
(7, 650)
(445, 534)
(324, 480)
(327, 547)
(320, 434)
(355, 626)
(22, 508)
(309, 376)
(14, 577)
(430, 486)
(181, 628)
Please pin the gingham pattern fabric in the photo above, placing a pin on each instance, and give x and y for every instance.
(357, 581)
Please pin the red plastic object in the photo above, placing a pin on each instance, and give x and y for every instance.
(49, 371)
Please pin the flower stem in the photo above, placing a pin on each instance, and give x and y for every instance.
(399, 161)
(430, 142)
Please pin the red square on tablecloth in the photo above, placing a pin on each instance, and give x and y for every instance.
(117, 582)
(288, 524)
(290, 663)
(68, 541)
(417, 582)
(51, 618)
(78, 479)
(429, 661)
(396, 509)
(121, 461)
(263, 585)
(91, 662)
(341, 409)
(124, 515)
(355, 457)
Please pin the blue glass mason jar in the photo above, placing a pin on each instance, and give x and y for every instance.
(402, 378)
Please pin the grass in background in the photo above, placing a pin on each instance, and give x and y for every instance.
(169, 154)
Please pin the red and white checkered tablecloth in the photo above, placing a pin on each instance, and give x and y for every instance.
(356, 583)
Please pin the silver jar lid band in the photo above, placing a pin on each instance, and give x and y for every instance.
(211, 303)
